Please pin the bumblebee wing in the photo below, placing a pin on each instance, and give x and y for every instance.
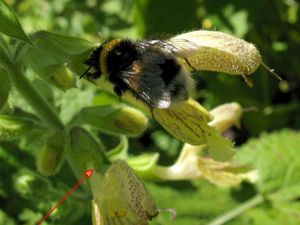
(145, 82)
(214, 51)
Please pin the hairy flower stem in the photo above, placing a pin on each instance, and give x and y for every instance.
(34, 99)
(256, 200)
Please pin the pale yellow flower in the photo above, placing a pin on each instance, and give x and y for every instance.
(192, 162)
(122, 198)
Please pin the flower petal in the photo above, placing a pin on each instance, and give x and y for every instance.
(225, 116)
(217, 51)
(123, 199)
(185, 120)
(188, 121)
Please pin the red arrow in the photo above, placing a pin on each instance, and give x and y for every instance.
(88, 174)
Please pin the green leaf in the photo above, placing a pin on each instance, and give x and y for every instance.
(5, 87)
(60, 47)
(285, 214)
(52, 51)
(10, 24)
(277, 159)
(286, 194)
(6, 219)
(42, 63)
(194, 205)
(57, 43)
(5, 60)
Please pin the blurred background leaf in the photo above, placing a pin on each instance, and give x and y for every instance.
(272, 25)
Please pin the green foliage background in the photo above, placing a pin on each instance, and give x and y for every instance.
(272, 25)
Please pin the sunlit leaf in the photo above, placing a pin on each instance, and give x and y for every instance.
(60, 45)
(277, 159)
(10, 24)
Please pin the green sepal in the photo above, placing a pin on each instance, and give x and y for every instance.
(85, 153)
(144, 164)
(116, 119)
(120, 151)
(51, 156)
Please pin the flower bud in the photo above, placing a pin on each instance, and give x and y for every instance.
(123, 198)
(30, 185)
(64, 77)
(51, 156)
(118, 119)
(12, 127)
(225, 116)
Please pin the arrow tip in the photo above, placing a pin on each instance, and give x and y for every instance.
(89, 173)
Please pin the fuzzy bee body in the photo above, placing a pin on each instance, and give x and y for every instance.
(157, 71)
(148, 69)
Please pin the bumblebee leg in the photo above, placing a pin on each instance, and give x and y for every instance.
(118, 91)
(189, 64)
(92, 76)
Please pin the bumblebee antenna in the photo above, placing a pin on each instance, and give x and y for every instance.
(86, 71)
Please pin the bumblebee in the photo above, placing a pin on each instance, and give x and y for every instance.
(158, 71)
(147, 69)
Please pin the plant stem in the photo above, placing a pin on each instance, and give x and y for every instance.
(258, 199)
(34, 99)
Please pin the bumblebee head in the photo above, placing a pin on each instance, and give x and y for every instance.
(93, 63)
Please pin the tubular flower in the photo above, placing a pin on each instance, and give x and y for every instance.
(192, 164)
(122, 198)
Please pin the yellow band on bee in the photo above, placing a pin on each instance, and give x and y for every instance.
(104, 53)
